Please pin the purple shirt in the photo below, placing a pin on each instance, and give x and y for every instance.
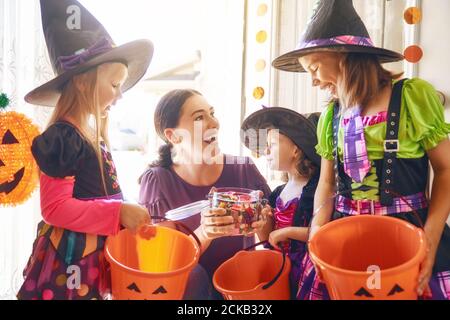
(163, 190)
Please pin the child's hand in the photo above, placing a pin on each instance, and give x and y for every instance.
(216, 223)
(266, 214)
(312, 231)
(133, 216)
(277, 236)
(426, 270)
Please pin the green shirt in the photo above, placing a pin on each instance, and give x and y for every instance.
(422, 127)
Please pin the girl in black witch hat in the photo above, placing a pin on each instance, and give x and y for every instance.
(376, 137)
(81, 200)
(288, 139)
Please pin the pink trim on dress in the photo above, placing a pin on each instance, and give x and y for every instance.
(371, 120)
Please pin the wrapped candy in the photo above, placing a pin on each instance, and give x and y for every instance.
(244, 205)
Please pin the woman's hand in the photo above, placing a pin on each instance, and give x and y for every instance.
(277, 236)
(216, 223)
(133, 216)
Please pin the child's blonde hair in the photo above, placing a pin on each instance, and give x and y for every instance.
(79, 100)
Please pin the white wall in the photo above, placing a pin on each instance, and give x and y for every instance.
(435, 42)
(293, 90)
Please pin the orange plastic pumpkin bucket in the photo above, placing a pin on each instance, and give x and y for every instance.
(151, 265)
(254, 275)
(369, 258)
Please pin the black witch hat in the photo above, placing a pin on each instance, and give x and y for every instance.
(77, 42)
(301, 129)
(335, 26)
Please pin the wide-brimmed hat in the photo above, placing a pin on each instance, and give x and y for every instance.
(337, 27)
(301, 129)
(76, 42)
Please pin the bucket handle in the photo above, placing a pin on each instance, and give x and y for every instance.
(271, 282)
(183, 226)
(414, 211)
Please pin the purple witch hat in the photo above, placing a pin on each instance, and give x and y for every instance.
(335, 26)
(76, 42)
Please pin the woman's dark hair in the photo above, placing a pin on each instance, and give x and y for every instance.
(167, 115)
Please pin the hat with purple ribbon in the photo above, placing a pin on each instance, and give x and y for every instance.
(76, 42)
(337, 27)
(300, 128)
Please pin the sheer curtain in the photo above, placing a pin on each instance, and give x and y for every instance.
(23, 66)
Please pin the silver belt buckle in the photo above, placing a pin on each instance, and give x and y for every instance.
(389, 148)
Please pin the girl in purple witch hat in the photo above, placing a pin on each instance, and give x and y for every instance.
(81, 200)
(376, 139)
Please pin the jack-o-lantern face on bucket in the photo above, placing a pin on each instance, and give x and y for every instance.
(394, 293)
(18, 170)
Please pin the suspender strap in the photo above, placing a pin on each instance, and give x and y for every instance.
(391, 145)
(336, 120)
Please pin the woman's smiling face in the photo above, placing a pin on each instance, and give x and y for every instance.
(198, 128)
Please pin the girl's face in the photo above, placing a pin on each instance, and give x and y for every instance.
(281, 153)
(111, 77)
(324, 69)
(197, 130)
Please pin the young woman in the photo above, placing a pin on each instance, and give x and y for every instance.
(190, 165)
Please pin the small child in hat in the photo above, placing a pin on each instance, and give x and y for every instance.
(81, 200)
(289, 139)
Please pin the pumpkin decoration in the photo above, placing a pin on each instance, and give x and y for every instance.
(19, 172)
